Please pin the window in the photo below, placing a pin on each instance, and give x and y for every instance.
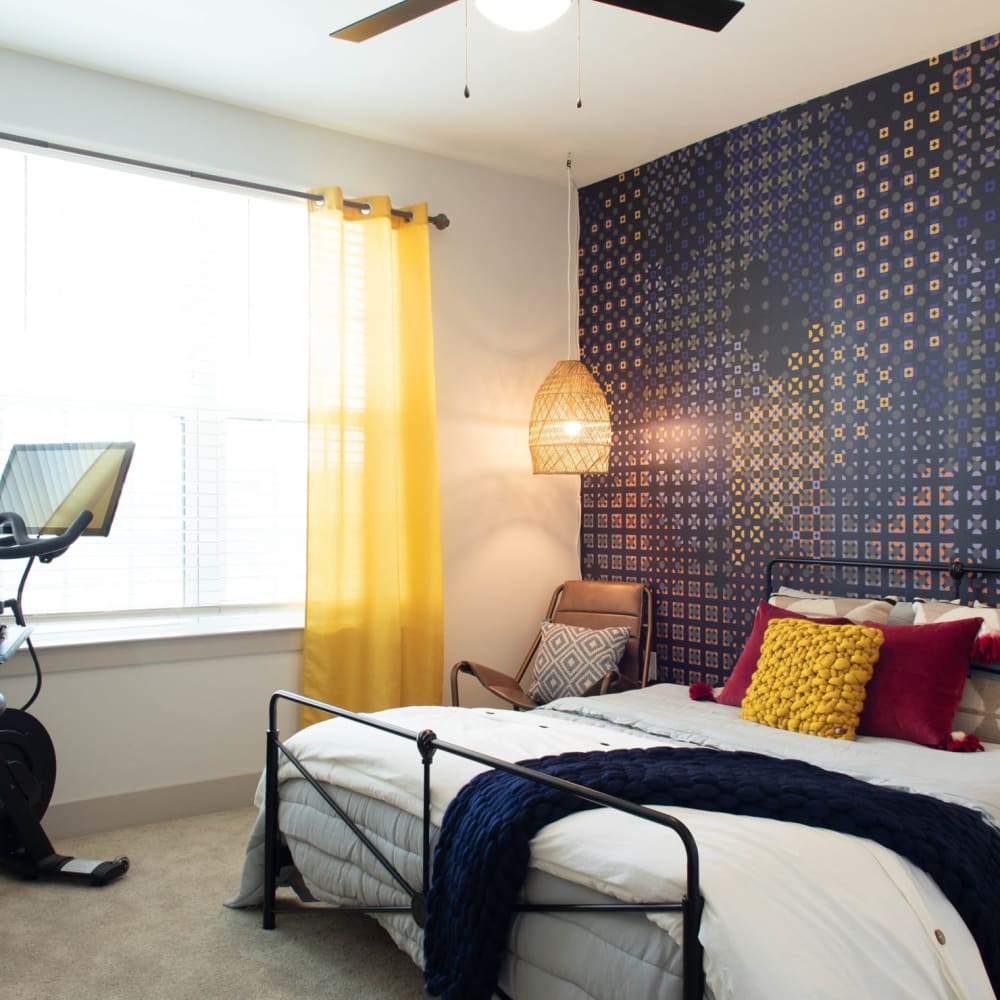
(174, 315)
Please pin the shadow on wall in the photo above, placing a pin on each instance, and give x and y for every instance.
(478, 507)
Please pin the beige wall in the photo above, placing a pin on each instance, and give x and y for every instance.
(194, 717)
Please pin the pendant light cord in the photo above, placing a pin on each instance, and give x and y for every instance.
(574, 348)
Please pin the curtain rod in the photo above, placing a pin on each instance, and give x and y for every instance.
(440, 221)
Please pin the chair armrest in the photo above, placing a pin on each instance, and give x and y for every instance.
(608, 683)
(624, 683)
(496, 681)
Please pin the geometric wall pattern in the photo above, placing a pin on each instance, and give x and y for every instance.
(796, 326)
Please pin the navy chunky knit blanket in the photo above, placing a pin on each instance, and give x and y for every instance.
(481, 858)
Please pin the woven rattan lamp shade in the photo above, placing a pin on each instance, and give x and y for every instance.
(570, 428)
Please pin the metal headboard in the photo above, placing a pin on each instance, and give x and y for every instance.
(874, 578)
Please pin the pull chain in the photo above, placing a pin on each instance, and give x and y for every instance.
(467, 91)
(579, 74)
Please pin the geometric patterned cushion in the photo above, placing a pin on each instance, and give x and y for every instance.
(570, 659)
(855, 609)
(944, 611)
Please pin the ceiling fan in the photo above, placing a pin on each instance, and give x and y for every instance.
(713, 15)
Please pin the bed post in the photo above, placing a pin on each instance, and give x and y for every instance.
(426, 744)
(957, 571)
(693, 954)
(270, 817)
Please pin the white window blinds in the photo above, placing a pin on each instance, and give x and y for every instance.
(174, 315)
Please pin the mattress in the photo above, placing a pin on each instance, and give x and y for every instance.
(789, 910)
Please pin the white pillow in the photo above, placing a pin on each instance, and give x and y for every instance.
(570, 659)
(903, 613)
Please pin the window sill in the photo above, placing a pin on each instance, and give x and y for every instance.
(94, 643)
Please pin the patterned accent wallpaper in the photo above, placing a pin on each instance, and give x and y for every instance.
(796, 325)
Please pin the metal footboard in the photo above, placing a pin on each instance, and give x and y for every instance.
(427, 744)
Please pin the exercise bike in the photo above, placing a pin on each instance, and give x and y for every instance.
(27, 757)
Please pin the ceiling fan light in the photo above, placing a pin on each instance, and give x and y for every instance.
(522, 15)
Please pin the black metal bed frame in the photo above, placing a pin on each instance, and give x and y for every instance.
(961, 575)
(690, 906)
(959, 572)
(427, 743)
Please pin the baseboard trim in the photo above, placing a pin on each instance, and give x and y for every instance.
(154, 805)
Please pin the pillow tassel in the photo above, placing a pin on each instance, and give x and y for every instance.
(986, 648)
(700, 691)
(959, 742)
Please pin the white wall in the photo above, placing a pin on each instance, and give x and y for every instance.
(499, 314)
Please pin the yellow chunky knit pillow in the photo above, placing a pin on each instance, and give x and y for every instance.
(811, 678)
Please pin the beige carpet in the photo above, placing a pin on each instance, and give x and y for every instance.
(162, 932)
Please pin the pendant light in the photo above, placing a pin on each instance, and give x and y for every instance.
(522, 15)
(570, 426)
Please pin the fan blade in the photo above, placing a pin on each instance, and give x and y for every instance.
(390, 17)
(712, 15)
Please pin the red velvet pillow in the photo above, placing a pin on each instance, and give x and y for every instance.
(917, 685)
(739, 679)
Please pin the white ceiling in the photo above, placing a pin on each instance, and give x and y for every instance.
(649, 86)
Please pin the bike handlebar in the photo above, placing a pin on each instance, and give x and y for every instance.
(16, 543)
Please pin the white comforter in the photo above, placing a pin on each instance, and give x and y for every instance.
(790, 911)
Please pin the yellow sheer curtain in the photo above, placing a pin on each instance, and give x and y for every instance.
(374, 619)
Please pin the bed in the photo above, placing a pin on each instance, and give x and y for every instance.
(781, 908)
